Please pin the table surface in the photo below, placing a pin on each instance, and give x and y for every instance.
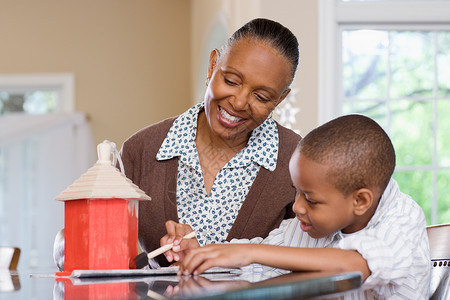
(299, 285)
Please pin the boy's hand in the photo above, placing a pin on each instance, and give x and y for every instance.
(175, 234)
(227, 256)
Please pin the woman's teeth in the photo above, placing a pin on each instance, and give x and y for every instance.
(229, 117)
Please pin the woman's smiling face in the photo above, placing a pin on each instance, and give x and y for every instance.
(246, 83)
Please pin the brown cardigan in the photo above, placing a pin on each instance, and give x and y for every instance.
(268, 202)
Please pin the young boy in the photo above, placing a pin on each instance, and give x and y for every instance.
(349, 209)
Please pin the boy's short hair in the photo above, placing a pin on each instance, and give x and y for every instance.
(358, 151)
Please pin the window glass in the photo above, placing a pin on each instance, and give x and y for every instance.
(442, 133)
(364, 63)
(31, 102)
(443, 190)
(376, 110)
(411, 132)
(412, 63)
(390, 60)
(443, 64)
(400, 79)
(422, 192)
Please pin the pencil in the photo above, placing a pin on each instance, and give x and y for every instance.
(164, 248)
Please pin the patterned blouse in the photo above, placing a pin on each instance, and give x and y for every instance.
(212, 216)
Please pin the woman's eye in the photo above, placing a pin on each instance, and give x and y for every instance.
(261, 98)
(229, 82)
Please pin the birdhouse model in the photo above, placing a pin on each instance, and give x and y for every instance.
(101, 218)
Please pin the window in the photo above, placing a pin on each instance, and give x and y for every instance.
(44, 147)
(393, 64)
(33, 102)
(36, 94)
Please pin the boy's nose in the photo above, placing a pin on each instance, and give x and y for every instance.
(299, 206)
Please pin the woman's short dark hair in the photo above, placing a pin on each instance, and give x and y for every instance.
(274, 34)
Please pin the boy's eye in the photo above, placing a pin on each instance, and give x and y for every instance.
(297, 192)
(310, 202)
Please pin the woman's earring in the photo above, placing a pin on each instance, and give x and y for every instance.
(207, 81)
(270, 115)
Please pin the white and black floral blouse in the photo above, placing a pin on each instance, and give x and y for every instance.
(212, 216)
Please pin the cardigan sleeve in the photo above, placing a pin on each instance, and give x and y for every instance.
(156, 179)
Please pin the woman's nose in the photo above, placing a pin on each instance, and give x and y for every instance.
(240, 100)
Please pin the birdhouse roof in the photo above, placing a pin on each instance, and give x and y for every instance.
(101, 181)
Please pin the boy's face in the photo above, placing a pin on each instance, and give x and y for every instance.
(319, 205)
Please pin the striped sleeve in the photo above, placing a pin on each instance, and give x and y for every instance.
(396, 251)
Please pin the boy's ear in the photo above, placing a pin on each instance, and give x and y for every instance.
(363, 200)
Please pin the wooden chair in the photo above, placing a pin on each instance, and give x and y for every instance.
(9, 257)
(439, 239)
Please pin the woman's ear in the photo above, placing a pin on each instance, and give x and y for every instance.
(213, 57)
(363, 200)
(283, 96)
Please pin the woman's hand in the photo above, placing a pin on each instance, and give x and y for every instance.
(175, 234)
(227, 256)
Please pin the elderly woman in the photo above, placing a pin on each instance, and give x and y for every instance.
(222, 166)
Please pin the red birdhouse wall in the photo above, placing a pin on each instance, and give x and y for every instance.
(101, 217)
(101, 234)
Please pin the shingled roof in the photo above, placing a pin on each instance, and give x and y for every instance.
(101, 181)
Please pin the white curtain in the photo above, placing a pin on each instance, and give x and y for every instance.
(40, 155)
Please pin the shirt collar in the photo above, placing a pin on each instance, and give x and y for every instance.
(262, 146)
(390, 193)
(181, 135)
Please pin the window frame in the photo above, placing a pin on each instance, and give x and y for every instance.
(63, 82)
(337, 15)
(380, 14)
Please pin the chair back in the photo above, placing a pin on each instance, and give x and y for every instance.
(439, 239)
(9, 257)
